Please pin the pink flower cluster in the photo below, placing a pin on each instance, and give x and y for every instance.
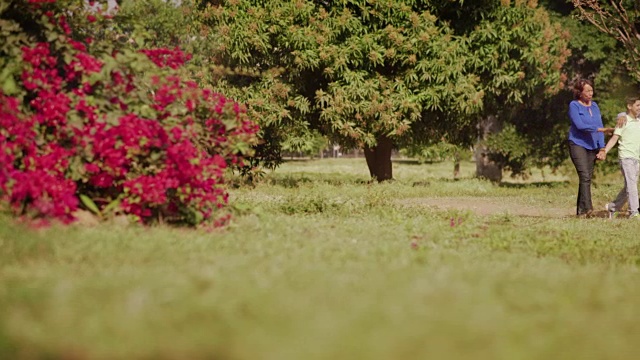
(32, 176)
(62, 142)
(173, 58)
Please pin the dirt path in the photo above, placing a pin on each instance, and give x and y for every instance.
(487, 206)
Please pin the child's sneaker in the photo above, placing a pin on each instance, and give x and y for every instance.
(634, 216)
(611, 209)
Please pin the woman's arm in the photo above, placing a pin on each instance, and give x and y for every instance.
(607, 131)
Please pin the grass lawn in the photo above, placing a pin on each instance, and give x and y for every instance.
(320, 264)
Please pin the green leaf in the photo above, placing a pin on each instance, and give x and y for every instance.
(68, 58)
(199, 217)
(112, 206)
(9, 86)
(147, 112)
(90, 204)
(52, 36)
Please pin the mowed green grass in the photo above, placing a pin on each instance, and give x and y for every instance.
(320, 264)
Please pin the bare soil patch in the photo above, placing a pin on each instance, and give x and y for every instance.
(487, 206)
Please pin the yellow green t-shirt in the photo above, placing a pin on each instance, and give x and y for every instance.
(629, 142)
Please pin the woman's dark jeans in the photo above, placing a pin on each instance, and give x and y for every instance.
(584, 160)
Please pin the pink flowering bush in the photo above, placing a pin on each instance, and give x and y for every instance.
(121, 131)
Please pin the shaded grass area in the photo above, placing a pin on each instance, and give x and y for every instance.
(331, 267)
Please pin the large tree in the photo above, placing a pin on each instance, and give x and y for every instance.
(393, 76)
(362, 72)
(383, 74)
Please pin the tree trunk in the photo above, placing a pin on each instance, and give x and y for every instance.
(456, 165)
(379, 159)
(485, 167)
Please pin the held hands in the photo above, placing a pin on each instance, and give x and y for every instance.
(602, 154)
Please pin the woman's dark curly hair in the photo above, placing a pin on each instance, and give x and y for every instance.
(579, 86)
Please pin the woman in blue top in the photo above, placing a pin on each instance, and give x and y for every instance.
(585, 141)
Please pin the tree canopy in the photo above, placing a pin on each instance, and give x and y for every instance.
(391, 73)
(618, 19)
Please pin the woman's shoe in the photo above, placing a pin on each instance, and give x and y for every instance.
(587, 215)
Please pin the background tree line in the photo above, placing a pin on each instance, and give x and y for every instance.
(491, 75)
